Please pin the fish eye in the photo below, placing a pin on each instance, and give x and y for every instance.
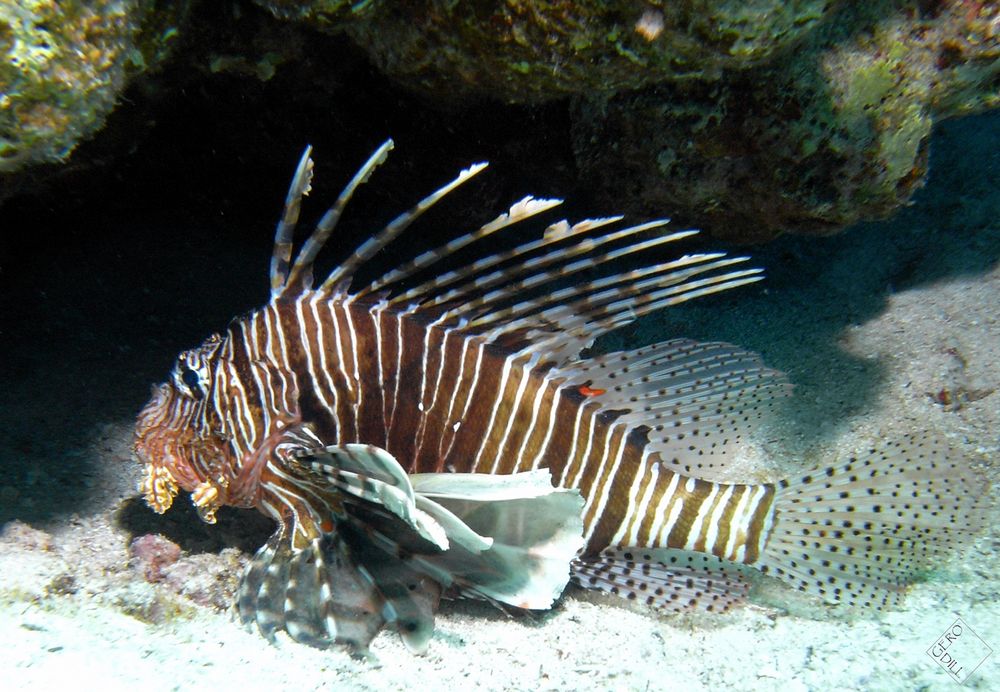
(191, 379)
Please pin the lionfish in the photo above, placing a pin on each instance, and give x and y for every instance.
(441, 432)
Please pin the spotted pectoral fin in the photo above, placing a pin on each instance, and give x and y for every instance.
(671, 580)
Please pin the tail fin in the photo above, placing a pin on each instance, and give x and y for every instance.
(862, 531)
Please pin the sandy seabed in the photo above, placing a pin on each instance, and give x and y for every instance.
(887, 329)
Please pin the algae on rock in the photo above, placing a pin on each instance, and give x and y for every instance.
(834, 134)
(531, 51)
(65, 65)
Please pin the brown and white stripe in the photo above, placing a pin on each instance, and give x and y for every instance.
(476, 370)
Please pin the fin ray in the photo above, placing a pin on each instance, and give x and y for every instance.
(526, 208)
(480, 289)
(283, 234)
(370, 247)
(301, 277)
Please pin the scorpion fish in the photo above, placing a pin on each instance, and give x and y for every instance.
(442, 432)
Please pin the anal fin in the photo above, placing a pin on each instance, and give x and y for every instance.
(670, 580)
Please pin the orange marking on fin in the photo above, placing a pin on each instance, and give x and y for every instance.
(587, 391)
(326, 525)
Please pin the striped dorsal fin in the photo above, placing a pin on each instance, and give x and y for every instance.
(522, 291)
(281, 256)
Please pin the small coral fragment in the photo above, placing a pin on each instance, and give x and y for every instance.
(19, 534)
(153, 554)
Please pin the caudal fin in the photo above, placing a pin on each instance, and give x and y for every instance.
(862, 531)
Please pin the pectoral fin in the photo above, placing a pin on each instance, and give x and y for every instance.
(508, 538)
(396, 543)
(338, 589)
(393, 544)
(536, 530)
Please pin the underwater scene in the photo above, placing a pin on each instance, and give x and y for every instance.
(508, 345)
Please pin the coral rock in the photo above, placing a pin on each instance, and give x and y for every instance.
(153, 554)
(835, 134)
(64, 66)
(523, 51)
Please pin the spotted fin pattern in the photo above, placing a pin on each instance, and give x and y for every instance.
(860, 532)
(669, 580)
(699, 400)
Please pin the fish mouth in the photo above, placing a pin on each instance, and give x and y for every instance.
(158, 484)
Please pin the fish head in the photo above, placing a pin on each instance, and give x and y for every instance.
(177, 439)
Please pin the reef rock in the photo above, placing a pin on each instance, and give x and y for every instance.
(834, 134)
(746, 118)
(526, 51)
(64, 65)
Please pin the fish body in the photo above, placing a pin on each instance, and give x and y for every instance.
(445, 436)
